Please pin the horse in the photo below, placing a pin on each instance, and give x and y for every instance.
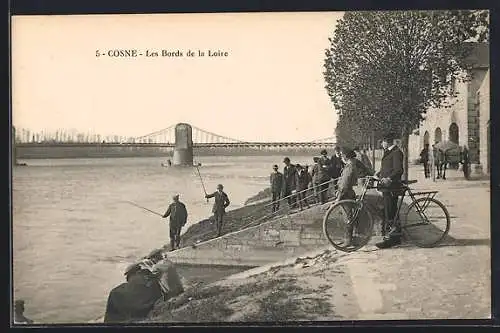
(443, 157)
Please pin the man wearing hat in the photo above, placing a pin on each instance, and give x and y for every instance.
(276, 180)
(390, 174)
(19, 317)
(178, 218)
(134, 299)
(289, 185)
(323, 176)
(219, 208)
(337, 165)
(165, 272)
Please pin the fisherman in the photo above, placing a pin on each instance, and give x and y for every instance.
(276, 180)
(19, 317)
(219, 208)
(178, 218)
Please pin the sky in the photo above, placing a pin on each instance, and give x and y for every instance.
(270, 87)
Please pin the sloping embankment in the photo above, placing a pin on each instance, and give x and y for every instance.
(310, 288)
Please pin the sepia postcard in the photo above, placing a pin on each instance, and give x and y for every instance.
(250, 167)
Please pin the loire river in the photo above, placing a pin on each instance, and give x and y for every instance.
(73, 234)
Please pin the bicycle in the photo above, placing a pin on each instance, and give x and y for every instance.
(416, 226)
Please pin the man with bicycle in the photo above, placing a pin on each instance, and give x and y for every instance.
(390, 174)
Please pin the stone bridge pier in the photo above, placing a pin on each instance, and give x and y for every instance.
(183, 151)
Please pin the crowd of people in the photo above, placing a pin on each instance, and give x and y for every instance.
(300, 185)
(340, 173)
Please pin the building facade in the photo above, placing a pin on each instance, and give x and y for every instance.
(466, 120)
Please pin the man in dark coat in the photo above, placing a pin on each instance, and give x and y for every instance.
(276, 180)
(337, 165)
(289, 185)
(133, 300)
(178, 218)
(302, 180)
(390, 174)
(424, 159)
(466, 162)
(314, 177)
(219, 208)
(323, 176)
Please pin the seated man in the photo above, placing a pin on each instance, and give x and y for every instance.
(132, 300)
(149, 280)
(165, 273)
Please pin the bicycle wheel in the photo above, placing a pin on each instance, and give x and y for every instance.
(426, 223)
(337, 219)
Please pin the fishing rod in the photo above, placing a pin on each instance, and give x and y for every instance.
(139, 206)
(201, 179)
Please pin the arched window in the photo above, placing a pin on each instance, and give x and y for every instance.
(453, 133)
(438, 135)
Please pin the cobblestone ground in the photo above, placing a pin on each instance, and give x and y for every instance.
(451, 281)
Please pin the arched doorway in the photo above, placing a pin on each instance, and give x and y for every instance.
(438, 135)
(426, 138)
(453, 133)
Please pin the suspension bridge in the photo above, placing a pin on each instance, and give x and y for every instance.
(165, 138)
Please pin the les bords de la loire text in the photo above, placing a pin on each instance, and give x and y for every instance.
(134, 53)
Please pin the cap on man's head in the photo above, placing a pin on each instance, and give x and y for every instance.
(275, 166)
(298, 166)
(324, 152)
(315, 159)
(176, 196)
(220, 186)
(286, 159)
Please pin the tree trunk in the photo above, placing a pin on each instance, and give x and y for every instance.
(405, 143)
(373, 149)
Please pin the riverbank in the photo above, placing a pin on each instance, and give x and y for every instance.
(405, 282)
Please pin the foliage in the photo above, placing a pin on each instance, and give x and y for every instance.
(385, 69)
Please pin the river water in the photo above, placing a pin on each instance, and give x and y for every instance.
(73, 234)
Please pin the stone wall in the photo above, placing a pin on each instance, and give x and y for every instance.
(442, 118)
(269, 242)
(484, 123)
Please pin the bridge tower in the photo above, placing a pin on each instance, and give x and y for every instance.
(183, 151)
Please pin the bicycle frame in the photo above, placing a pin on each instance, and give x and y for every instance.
(406, 192)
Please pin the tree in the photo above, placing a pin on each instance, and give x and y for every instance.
(385, 69)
